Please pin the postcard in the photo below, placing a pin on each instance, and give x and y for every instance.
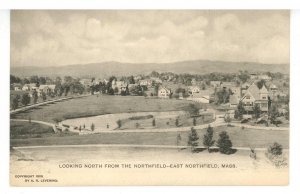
(149, 97)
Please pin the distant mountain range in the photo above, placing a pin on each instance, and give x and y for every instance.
(105, 69)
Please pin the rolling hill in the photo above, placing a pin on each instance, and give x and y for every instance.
(105, 69)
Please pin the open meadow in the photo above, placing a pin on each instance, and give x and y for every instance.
(98, 105)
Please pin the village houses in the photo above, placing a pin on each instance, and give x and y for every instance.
(120, 85)
(29, 87)
(46, 88)
(146, 82)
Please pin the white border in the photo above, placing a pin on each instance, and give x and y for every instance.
(295, 80)
(149, 4)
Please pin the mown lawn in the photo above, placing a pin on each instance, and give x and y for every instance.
(240, 138)
(104, 104)
(19, 129)
(28, 130)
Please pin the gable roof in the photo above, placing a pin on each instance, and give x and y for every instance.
(164, 88)
(263, 89)
(255, 91)
(193, 88)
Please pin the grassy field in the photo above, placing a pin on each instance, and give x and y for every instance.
(240, 138)
(104, 104)
(24, 130)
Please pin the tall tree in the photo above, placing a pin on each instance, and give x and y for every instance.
(238, 113)
(25, 99)
(177, 122)
(131, 80)
(34, 96)
(194, 121)
(224, 143)
(208, 138)
(260, 83)
(43, 96)
(34, 79)
(193, 139)
(243, 76)
(15, 102)
(273, 113)
(14, 79)
(42, 80)
(256, 111)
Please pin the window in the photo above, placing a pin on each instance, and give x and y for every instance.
(248, 97)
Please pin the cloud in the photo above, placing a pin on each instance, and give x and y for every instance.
(72, 37)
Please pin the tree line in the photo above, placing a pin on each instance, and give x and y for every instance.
(223, 143)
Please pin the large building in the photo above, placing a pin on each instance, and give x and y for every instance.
(254, 95)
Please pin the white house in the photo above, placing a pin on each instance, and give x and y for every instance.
(46, 88)
(16, 87)
(146, 82)
(193, 90)
(164, 92)
(29, 87)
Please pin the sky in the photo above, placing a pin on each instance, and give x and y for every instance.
(64, 37)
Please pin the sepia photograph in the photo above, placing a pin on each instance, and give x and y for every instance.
(149, 97)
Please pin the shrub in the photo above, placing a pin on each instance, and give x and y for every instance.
(224, 143)
(274, 154)
(93, 127)
(141, 117)
(119, 122)
(153, 123)
(275, 149)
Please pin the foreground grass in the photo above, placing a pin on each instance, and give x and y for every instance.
(104, 104)
(240, 138)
